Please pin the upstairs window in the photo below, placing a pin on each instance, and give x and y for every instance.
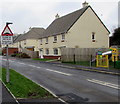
(63, 37)
(46, 40)
(24, 42)
(55, 38)
(93, 37)
(55, 51)
(40, 41)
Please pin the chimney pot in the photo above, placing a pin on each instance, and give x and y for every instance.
(57, 16)
(85, 4)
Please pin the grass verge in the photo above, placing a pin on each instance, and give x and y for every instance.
(22, 87)
(87, 63)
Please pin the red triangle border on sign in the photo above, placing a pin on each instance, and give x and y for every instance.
(9, 30)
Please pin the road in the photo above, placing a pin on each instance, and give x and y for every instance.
(71, 85)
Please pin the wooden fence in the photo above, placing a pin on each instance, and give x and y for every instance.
(79, 54)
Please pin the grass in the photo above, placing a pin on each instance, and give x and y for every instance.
(87, 63)
(83, 63)
(21, 87)
(41, 59)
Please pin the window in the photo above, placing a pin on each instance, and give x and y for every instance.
(55, 51)
(93, 37)
(55, 38)
(41, 41)
(46, 40)
(24, 42)
(47, 51)
(63, 37)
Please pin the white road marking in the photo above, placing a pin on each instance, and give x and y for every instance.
(115, 86)
(59, 72)
(32, 66)
(38, 67)
(22, 63)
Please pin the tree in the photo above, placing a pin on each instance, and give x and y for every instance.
(115, 39)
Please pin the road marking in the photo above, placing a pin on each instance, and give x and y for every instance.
(64, 66)
(22, 63)
(115, 86)
(32, 66)
(59, 72)
(38, 67)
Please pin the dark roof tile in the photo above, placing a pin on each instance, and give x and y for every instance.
(63, 24)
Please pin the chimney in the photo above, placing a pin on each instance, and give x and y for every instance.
(85, 4)
(30, 28)
(57, 16)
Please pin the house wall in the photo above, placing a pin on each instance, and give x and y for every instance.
(29, 43)
(80, 34)
(51, 45)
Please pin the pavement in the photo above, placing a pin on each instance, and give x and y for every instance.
(7, 97)
(87, 68)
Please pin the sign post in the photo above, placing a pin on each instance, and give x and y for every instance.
(6, 39)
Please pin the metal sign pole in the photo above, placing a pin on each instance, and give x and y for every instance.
(7, 38)
(7, 64)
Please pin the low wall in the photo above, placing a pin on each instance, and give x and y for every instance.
(51, 57)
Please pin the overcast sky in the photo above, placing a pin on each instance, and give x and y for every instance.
(40, 13)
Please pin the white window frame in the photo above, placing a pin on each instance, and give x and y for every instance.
(47, 40)
(40, 41)
(63, 36)
(55, 38)
(93, 36)
(47, 51)
(25, 42)
(55, 52)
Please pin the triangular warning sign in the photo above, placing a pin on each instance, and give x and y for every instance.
(7, 31)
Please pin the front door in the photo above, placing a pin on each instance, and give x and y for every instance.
(41, 53)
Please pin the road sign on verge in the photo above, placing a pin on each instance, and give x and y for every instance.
(6, 39)
(7, 36)
(7, 31)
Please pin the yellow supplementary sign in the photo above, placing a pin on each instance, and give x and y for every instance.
(102, 61)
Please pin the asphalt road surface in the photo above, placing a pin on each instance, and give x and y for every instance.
(71, 85)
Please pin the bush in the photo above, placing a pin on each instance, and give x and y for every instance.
(13, 55)
(117, 64)
(24, 55)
